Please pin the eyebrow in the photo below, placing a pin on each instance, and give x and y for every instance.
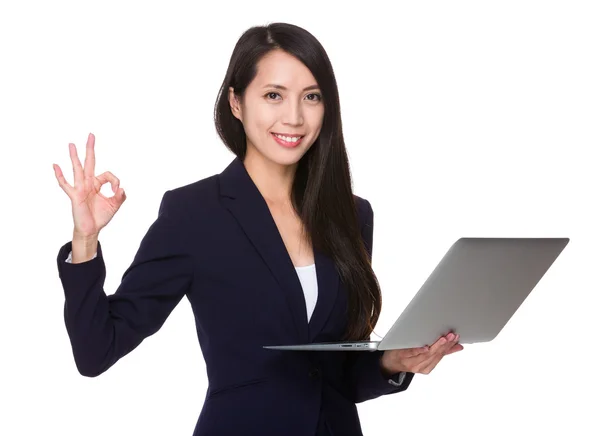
(274, 85)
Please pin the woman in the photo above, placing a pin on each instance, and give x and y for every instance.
(275, 249)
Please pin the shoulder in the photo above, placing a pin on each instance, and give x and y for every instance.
(186, 201)
(364, 210)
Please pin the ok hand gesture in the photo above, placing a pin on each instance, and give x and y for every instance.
(91, 210)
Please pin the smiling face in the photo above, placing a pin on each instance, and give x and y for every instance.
(281, 110)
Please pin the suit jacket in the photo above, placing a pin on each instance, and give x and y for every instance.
(216, 242)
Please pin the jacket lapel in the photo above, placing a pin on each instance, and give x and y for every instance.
(242, 198)
(328, 288)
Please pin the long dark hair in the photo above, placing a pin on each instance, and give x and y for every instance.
(322, 188)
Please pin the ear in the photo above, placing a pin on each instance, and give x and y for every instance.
(235, 105)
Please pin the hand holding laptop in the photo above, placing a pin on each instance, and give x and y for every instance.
(420, 360)
(473, 292)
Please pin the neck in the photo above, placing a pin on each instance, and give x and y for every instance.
(274, 181)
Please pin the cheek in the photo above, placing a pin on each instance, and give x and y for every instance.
(316, 117)
(253, 125)
(257, 129)
(262, 121)
(316, 123)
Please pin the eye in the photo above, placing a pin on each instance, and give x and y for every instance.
(270, 93)
(317, 96)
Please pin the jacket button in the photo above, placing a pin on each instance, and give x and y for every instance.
(314, 373)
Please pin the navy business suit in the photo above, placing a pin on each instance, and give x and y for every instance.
(216, 242)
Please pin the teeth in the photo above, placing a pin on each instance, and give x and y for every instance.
(288, 138)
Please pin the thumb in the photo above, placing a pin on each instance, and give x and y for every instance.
(454, 349)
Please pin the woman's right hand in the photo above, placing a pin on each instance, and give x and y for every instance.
(92, 211)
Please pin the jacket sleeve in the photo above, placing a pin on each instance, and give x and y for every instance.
(102, 328)
(364, 373)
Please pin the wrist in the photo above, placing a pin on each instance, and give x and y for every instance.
(385, 370)
(83, 247)
(85, 239)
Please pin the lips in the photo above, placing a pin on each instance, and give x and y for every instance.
(291, 135)
(285, 143)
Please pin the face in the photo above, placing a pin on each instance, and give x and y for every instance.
(283, 99)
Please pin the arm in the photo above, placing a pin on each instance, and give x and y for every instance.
(102, 328)
(364, 371)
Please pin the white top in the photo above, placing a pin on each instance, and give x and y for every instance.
(308, 280)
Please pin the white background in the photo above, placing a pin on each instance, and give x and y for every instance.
(470, 118)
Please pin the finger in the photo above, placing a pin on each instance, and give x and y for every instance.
(415, 361)
(118, 199)
(439, 345)
(456, 348)
(451, 340)
(449, 345)
(450, 348)
(432, 364)
(419, 357)
(106, 177)
(77, 169)
(61, 180)
(426, 366)
(412, 352)
(90, 158)
(426, 362)
(429, 365)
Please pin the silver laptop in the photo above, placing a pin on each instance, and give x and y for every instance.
(474, 291)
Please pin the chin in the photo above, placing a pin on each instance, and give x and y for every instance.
(277, 154)
(286, 159)
(281, 156)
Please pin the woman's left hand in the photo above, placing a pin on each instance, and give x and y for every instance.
(421, 360)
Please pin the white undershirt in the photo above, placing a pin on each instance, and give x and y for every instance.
(308, 280)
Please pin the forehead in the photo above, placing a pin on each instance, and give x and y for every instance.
(281, 68)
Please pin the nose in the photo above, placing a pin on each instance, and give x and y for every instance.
(293, 114)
